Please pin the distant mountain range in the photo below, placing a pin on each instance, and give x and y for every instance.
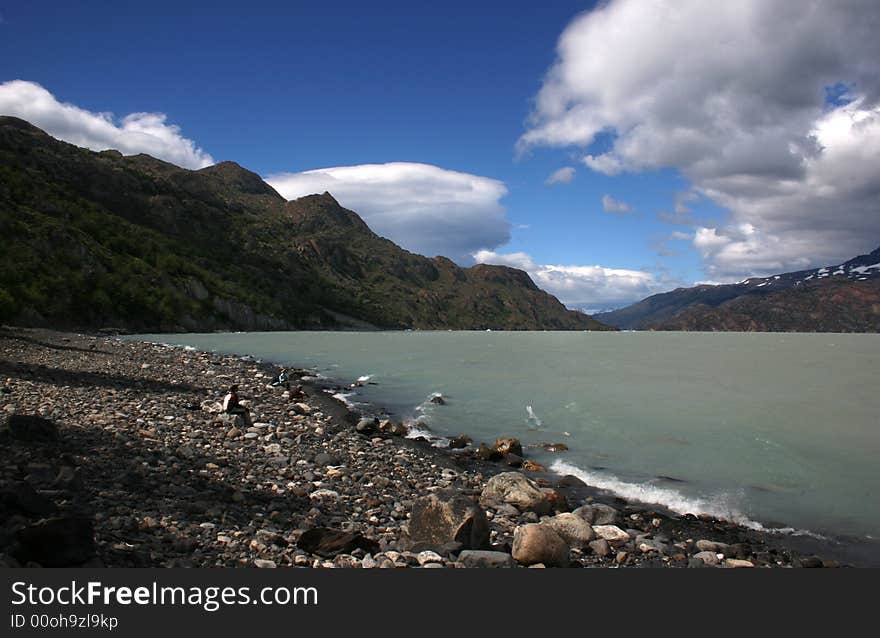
(93, 240)
(841, 298)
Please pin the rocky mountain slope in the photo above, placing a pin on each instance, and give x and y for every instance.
(96, 240)
(841, 298)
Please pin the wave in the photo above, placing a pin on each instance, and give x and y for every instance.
(720, 506)
(344, 397)
(428, 404)
(533, 419)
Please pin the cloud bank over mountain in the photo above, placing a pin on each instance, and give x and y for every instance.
(589, 288)
(134, 133)
(426, 209)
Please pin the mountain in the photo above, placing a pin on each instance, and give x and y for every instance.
(841, 298)
(95, 240)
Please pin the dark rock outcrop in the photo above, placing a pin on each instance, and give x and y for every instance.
(328, 542)
(448, 516)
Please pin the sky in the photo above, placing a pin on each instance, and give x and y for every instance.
(612, 150)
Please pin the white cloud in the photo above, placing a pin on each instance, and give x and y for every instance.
(562, 176)
(611, 205)
(591, 288)
(135, 133)
(745, 119)
(426, 209)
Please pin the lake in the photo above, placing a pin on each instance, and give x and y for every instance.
(772, 430)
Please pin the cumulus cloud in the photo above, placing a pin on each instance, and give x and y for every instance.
(134, 133)
(611, 205)
(426, 209)
(589, 288)
(563, 176)
(747, 120)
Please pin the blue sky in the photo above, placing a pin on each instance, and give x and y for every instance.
(682, 168)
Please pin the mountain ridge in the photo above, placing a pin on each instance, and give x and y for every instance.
(839, 298)
(101, 239)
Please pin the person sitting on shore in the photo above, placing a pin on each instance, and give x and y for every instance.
(281, 379)
(231, 405)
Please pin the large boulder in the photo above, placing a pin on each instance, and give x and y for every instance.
(515, 489)
(29, 428)
(448, 516)
(537, 543)
(63, 541)
(572, 528)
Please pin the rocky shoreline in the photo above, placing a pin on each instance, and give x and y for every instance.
(115, 454)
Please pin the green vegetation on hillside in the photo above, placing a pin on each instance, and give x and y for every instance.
(97, 240)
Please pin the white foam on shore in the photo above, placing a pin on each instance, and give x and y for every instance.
(345, 397)
(427, 404)
(720, 506)
(417, 429)
(364, 378)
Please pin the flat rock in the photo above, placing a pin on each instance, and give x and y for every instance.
(738, 563)
(485, 559)
(428, 557)
(611, 533)
(599, 514)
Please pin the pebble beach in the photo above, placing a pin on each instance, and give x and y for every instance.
(116, 453)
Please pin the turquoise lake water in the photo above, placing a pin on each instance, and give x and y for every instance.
(773, 430)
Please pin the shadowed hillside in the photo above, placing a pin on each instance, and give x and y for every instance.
(96, 240)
